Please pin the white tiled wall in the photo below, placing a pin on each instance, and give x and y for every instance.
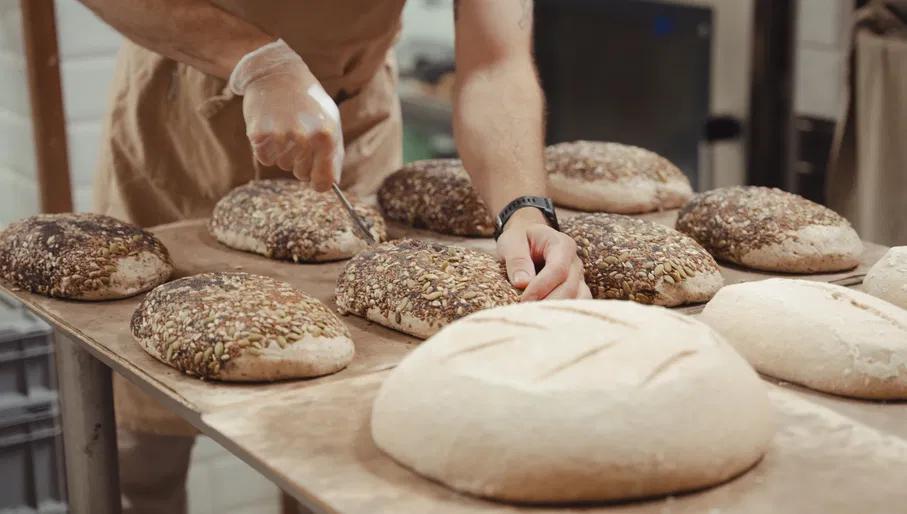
(18, 194)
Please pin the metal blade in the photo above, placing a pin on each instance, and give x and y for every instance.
(357, 220)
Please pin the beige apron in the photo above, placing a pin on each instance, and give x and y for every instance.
(867, 179)
(175, 138)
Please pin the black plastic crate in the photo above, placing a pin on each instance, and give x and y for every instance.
(31, 460)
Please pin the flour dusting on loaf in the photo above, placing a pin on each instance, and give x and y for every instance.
(633, 259)
(240, 327)
(82, 256)
(887, 279)
(288, 220)
(436, 194)
(612, 177)
(417, 287)
(823, 336)
(574, 401)
(769, 229)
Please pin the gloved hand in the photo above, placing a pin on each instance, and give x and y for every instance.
(290, 119)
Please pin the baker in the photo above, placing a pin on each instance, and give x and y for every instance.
(210, 94)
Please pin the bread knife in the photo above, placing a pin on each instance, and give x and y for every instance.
(357, 220)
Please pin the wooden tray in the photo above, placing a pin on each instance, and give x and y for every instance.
(819, 461)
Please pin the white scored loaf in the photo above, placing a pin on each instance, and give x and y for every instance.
(288, 220)
(574, 401)
(769, 229)
(82, 256)
(633, 259)
(887, 279)
(417, 286)
(611, 177)
(436, 194)
(823, 336)
(240, 327)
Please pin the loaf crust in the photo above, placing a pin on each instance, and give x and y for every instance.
(769, 229)
(612, 177)
(82, 256)
(887, 279)
(824, 336)
(240, 327)
(417, 287)
(574, 401)
(288, 220)
(633, 259)
(436, 194)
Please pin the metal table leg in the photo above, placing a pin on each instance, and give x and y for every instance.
(89, 430)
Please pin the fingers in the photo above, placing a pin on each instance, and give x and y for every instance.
(559, 253)
(513, 247)
(322, 174)
(573, 287)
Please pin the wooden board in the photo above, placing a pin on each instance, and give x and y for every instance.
(819, 461)
(311, 436)
(104, 326)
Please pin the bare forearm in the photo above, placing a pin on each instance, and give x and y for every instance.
(499, 128)
(195, 32)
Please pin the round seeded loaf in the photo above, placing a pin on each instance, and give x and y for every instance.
(240, 327)
(887, 279)
(82, 257)
(574, 401)
(288, 220)
(823, 336)
(436, 194)
(417, 287)
(769, 229)
(632, 259)
(611, 177)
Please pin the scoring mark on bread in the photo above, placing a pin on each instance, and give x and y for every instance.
(844, 295)
(505, 321)
(667, 363)
(591, 314)
(478, 346)
(573, 361)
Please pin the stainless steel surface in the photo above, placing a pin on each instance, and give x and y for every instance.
(357, 220)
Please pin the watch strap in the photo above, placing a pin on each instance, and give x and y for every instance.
(543, 204)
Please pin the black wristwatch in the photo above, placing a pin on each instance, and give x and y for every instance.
(538, 202)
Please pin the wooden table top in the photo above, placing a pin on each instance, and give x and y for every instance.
(831, 455)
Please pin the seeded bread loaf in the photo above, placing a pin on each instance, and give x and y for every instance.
(611, 177)
(82, 257)
(769, 229)
(633, 259)
(435, 194)
(417, 287)
(823, 336)
(288, 220)
(887, 279)
(240, 327)
(573, 401)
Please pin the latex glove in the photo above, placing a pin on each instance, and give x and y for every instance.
(527, 242)
(290, 119)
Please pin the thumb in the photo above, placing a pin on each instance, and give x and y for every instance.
(513, 248)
